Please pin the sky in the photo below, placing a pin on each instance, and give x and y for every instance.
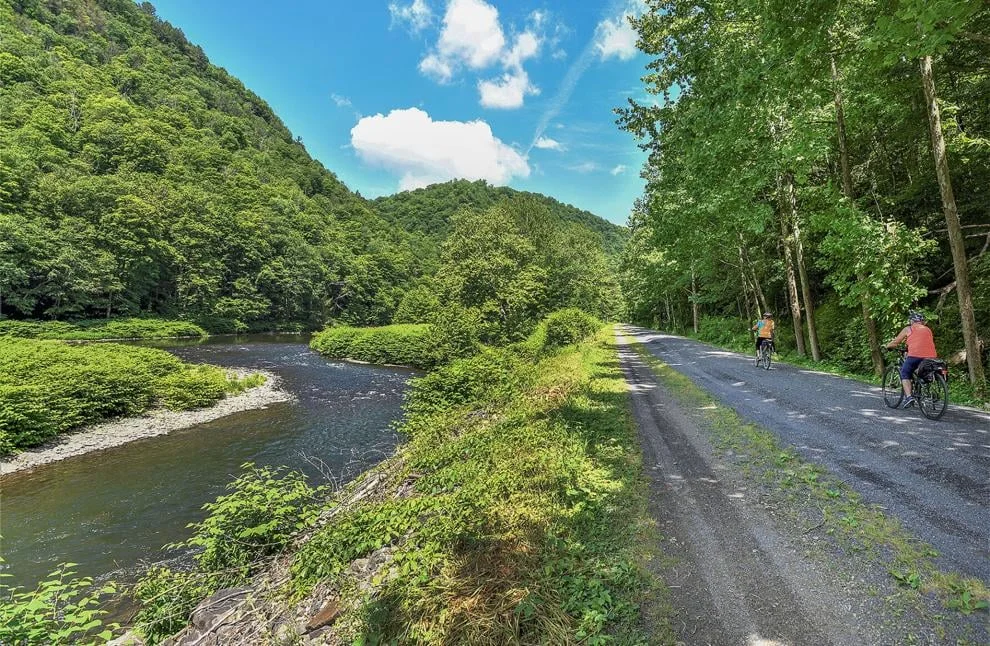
(393, 95)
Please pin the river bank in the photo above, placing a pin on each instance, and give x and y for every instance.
(114, 433)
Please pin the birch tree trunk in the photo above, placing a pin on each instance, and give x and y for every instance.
(694, 301)
(956, 243)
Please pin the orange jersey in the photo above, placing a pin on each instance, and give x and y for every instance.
(921, 342)
(765, 329)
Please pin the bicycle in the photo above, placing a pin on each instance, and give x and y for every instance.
(764, 357)
(929, 386)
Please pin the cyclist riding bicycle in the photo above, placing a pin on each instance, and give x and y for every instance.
(920, 346)
(764, 332)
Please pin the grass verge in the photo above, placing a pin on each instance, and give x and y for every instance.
(856, 527)
(526, 520)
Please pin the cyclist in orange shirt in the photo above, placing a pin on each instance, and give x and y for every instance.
(764, 332)
(920, 346)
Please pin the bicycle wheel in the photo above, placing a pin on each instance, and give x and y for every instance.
(893, 392)
(934, 398)
(767, 352)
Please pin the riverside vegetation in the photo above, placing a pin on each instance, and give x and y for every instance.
(525, 521)
(50, 387)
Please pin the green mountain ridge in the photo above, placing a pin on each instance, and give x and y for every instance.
(136, 178)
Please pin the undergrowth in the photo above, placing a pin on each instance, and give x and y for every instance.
(528, 514)
(101, 329)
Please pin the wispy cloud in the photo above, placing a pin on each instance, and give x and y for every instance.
(546, 143)
(341, 101)
(616, 11)
(415, 16)
(586, 167)
(619, 169)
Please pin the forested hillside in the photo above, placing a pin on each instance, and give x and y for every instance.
(828, 162)
(429, 210)
(138, 179)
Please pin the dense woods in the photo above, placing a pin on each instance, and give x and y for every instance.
(828, 162)
(138, 179)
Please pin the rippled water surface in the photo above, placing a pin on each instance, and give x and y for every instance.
(110, 511)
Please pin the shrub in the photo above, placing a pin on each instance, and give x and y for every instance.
(100, 329)
(62, 609)
(265, 509)
(493, 375)
(568, 326)
(402, 344)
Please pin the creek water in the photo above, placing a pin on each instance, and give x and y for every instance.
(112, 511)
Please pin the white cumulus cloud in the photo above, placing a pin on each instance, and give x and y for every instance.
(508, 92)
(423, 151)
(417, 15)
(472, 38)
(614, 36)
(546, 143)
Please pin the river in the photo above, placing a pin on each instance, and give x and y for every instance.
(111, 511)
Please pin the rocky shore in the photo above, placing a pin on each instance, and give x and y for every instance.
(157, 422)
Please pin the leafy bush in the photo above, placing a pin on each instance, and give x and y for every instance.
(490, 376)
(265, 509)
(100, 329)
(403, 344)
(50, 387)
(568, 326)
(62, 609)
(452, 334)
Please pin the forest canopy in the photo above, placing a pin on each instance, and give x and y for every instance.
(137, 179)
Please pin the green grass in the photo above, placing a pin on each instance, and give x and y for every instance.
(527, 521)
(51, 387)
(856, 527)
(100, 329)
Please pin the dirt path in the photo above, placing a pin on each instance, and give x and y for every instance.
(736, 575)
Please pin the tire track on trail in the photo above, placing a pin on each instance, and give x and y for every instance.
(734, 578)
(934, 477)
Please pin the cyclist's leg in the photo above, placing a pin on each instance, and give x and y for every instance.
(907, 369)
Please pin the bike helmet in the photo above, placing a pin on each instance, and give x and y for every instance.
(915, 317)
(767, 315)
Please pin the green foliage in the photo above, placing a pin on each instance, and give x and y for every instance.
(401, 344)
(568, 326)
(265, 509)
(63, 609)
(752, 161)
(523, 521)
(101, 329)
(50, 387)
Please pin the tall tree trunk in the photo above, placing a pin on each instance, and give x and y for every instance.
(761, 300)
(876, 357)
(792, 289)
(790, 198)
(746, 288)
(694, 301)
(956, 243)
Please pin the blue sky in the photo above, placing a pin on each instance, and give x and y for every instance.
(398, 94)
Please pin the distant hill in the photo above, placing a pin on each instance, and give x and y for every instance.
(428, 210)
